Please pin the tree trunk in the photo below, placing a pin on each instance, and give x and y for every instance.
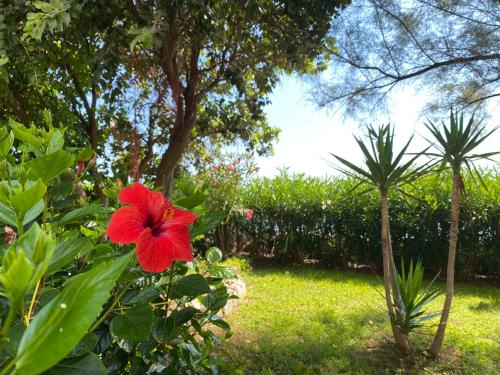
(402, 343)
(437, 344)
(169, 160)
(16, 105)
(186, 101)
(92, 132)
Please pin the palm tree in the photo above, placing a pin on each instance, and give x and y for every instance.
(453, 147)
(384, 171)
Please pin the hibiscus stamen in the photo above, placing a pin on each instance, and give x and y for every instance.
(168, 213)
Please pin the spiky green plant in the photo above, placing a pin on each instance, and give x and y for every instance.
(384, 169)
(414, 298)
(453, 147)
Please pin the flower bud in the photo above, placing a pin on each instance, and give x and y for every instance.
(10, 235)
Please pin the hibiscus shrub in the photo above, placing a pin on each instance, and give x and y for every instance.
(71, 302)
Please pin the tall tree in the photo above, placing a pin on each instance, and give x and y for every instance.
(454, 146)
(450, 48)
(214, 47)
(384, 170)
(181, 61)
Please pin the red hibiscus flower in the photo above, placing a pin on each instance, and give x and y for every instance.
(159, 230)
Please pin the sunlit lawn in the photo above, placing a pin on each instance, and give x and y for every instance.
(313, 321)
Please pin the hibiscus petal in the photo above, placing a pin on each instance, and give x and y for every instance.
(179, 235)
(126, 224)
(152, 203)
(182, 217)
(155, 253)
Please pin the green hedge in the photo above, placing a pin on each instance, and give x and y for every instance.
(298, 217)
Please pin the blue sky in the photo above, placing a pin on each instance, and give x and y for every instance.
(309, 134)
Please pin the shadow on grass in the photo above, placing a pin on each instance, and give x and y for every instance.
(351, 344)
(487, 306)
(302, 351)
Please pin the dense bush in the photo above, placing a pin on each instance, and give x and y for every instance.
(72, 302)
(298, 217)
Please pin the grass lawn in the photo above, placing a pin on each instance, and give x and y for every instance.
(314, 321)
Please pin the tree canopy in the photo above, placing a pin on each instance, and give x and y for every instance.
(140, 81)
(450, 48)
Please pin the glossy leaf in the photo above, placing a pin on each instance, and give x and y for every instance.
(163, 329)
(26, 200)
(89, 364)
(134, 325)
(207, 223)
(184, 315)
(62, 323)
(191, 285)
(66, 252)
(214, 255)
(6, 141)
(8, 215)
(80, 213)
(49, 166)
(191, 201)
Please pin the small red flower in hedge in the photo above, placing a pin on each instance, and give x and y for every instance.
(249, 214)
(159, 230)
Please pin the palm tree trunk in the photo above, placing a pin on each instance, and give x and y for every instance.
(404, 346)
(401, 340)
(437, 344)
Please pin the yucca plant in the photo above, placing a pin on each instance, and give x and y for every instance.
(453, 147)
(414, 298)
(384, 170)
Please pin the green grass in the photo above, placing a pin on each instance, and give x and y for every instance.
(313, 321)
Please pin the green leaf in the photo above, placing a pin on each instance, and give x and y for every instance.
(6, 142)
(25, 263)
(215, 300)
(84, 153)
(25, 135)
(206, 223)
(214, 255)
(86, 345)
(16, 276)
(15, 334)
(222, 272)
(191, 201)
(62, 323)
(49, 166)
(47, 296)
(221, 323)
(163, 329)
(134, 325)
(78, 214)
(66, 252)
(4, 60)
(89, 364)
(191, 285)
(184, 315)
(56, 142)
(24, 201)
(8, 215)
(145, 296)
(43, 6)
